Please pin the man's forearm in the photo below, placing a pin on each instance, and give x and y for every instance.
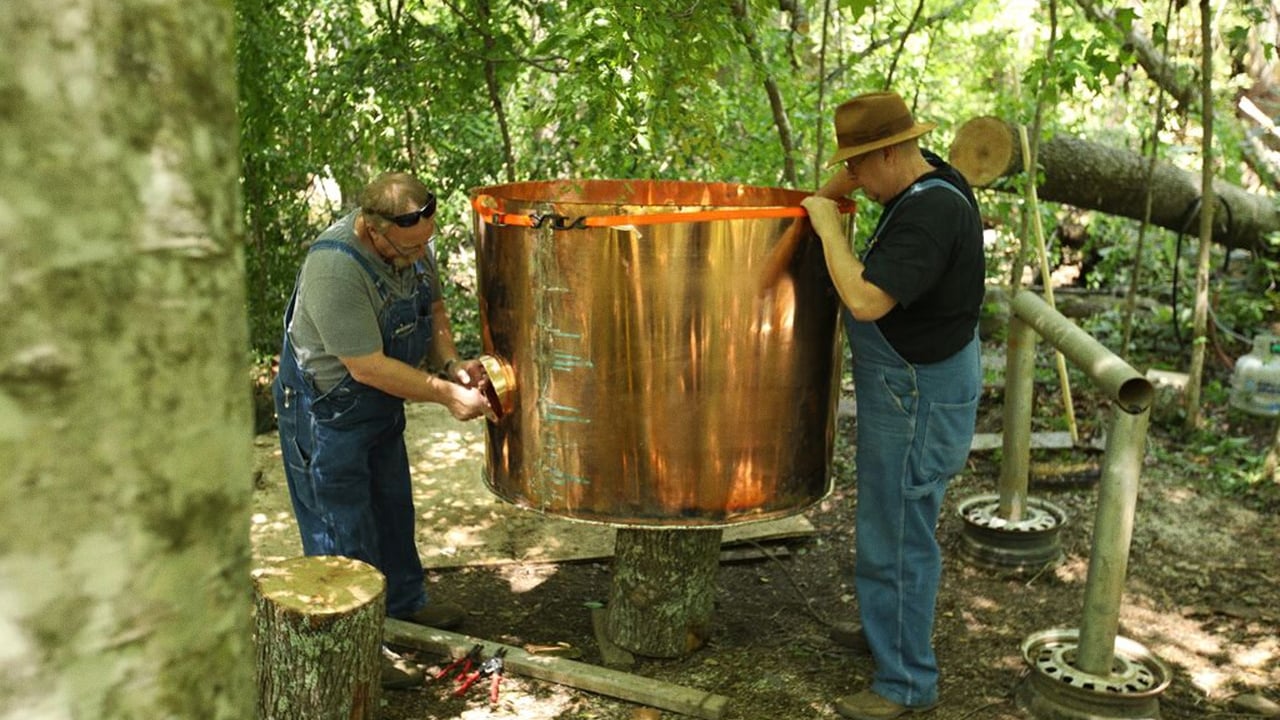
(865, 300)
(398, 378)
(442, 350)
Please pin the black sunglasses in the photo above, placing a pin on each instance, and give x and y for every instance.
(410, 219)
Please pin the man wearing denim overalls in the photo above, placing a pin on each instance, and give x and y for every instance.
(366, 313)
(912, 299)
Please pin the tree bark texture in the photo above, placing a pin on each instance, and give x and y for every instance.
(319, 639)
(125, 428)
(663, 592)
(1200, 314)
(1099, 177)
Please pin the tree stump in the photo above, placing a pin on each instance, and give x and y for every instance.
(318, 637)
(663, 591)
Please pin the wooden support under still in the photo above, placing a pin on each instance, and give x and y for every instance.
(580, 675)
(612, 655)
(662, 597)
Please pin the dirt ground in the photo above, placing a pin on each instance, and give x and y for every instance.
(1203, 593)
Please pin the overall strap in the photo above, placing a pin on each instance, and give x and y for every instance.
(915, 189)
(920, 187)
(340, 247)
(378, 283)
(345, 248)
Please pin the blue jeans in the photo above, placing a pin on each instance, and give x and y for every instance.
(348, 474)
(344, 452)
(915, 426)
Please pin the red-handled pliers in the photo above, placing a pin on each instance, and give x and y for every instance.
(464, 663)
(494, 667)
(489, 668)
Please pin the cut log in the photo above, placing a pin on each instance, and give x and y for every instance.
(983, 150)
(318, 637)
(1112, 180)
(663, 591)
(633, 688)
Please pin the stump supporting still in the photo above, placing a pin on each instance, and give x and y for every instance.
(318, 637)
(663, 592)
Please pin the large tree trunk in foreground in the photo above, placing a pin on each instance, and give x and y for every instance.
(319, 639)
(1099, 177)
(125, 428)
(664, 589)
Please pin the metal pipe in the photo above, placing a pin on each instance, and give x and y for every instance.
(1019, 391)
(1112, 534)
(1113, 375)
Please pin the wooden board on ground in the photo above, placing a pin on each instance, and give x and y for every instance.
(1039, 441)
(525, 537)
(460, 522)
(584, 676)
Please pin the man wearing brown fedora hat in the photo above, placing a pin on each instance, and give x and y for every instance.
(912, 296)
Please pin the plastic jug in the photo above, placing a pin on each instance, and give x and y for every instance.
(1255, 383)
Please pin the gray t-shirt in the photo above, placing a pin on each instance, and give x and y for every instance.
(339, 310)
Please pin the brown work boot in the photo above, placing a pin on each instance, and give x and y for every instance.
(867, 705)
(398, 673)
(850, 636)
(440, 615)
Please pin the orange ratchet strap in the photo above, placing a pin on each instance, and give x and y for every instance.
(487, 208)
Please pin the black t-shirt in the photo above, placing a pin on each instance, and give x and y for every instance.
(929, 258)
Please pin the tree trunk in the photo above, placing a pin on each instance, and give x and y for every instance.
(1112, 180)
(742, 18)
(663, 591)
(1271, 463)
(125, 427)
(319, 639)
(1200, 315)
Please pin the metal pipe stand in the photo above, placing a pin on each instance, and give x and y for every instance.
(1025, 545)
(1056, 689)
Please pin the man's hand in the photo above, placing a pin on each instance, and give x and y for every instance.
(465, 403)
(467, 373)
(404, 381)
(824, 214)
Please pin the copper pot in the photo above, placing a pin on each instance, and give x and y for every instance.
(647, 379)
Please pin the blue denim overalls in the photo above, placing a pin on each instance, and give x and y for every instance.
(915, 425)
(344, 451)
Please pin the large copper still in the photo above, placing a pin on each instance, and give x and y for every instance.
(641, 374)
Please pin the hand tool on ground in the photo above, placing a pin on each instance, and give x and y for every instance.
(492, 667)
(464, 663)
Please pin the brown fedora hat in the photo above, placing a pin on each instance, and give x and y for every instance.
(872, 121)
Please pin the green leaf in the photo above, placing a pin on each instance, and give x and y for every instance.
(856, 8)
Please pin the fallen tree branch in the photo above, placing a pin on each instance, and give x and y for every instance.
(1113, 180)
